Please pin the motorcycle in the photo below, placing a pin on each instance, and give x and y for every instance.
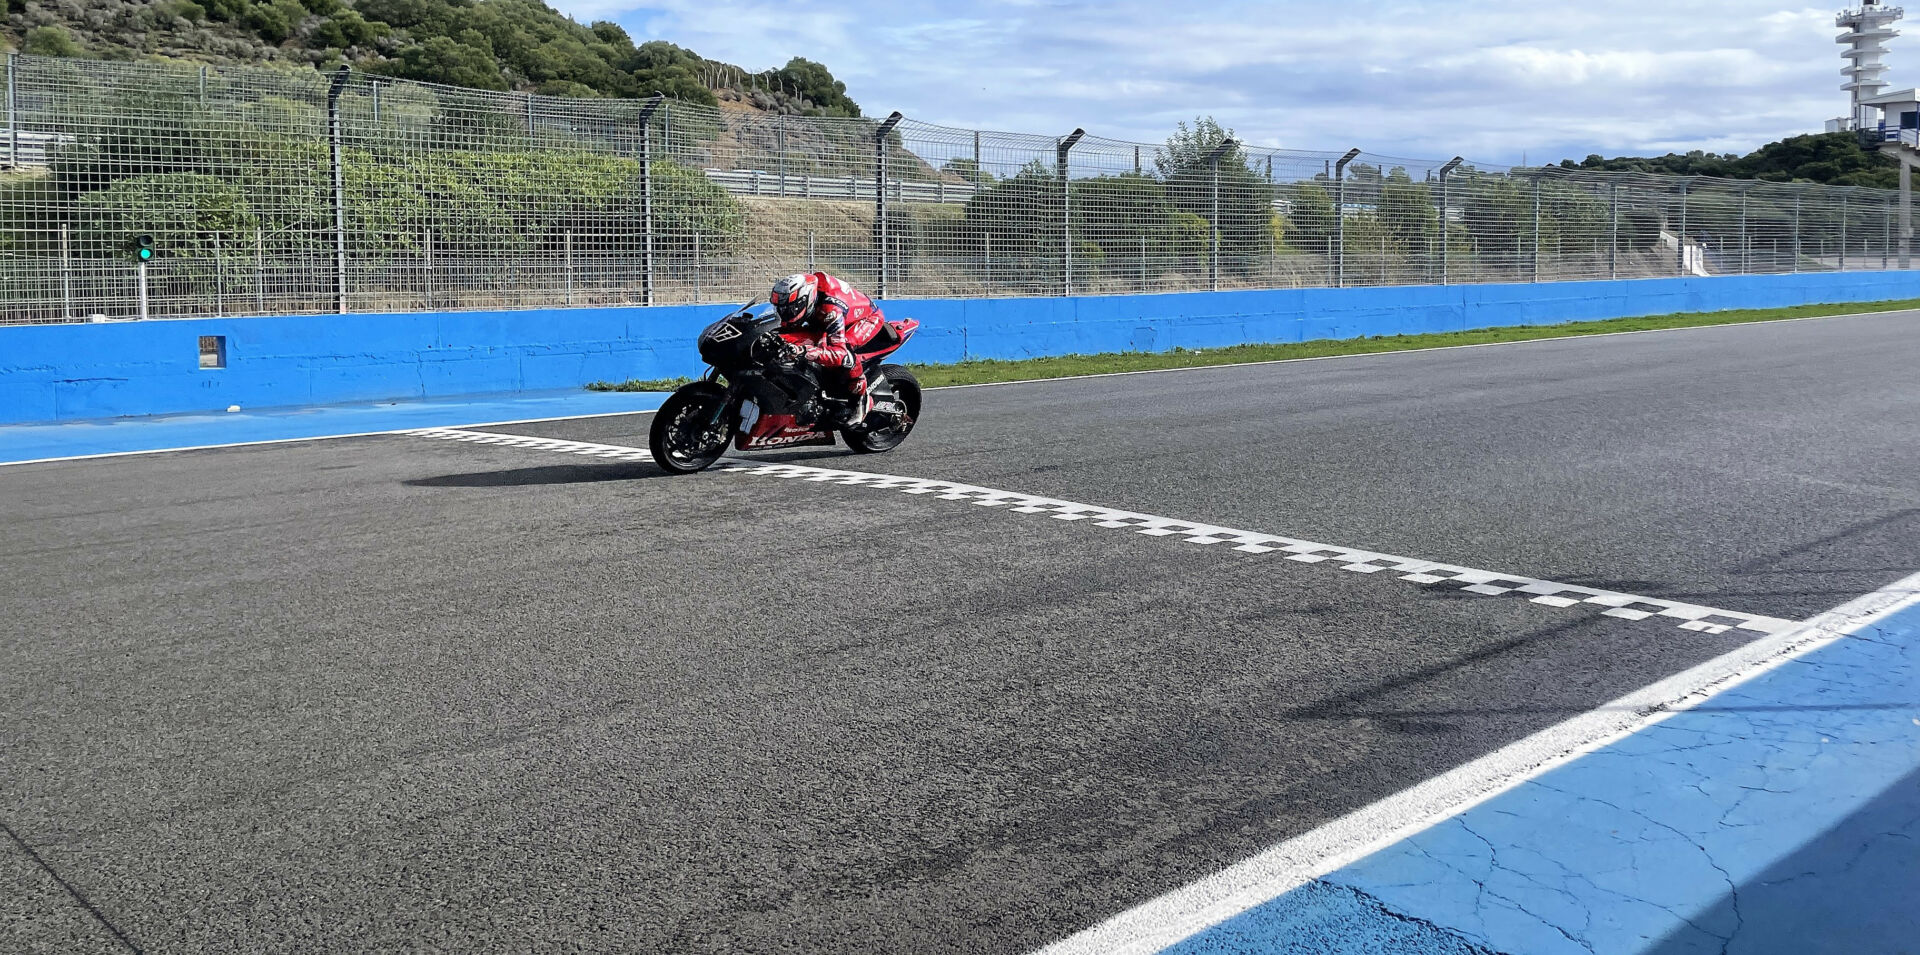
(757, 395)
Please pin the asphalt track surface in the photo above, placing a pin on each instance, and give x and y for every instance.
(398, 693)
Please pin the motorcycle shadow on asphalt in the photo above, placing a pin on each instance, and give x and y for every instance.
(544, 475)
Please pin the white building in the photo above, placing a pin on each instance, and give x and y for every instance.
(1868, 28)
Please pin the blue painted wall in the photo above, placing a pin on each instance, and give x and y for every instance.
(50, 372)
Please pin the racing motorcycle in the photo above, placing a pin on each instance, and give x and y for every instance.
(758, 394)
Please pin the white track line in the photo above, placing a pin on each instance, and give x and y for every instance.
(993, 384)
(317, 437)
(1297, 861)
(1426, 572)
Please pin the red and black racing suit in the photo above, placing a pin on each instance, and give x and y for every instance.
(843, 319)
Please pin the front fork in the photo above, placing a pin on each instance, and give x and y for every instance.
(719, 410)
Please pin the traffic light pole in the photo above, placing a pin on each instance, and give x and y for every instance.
(143, 290)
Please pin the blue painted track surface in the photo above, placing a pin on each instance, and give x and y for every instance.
(121, 435)
(1781, 816)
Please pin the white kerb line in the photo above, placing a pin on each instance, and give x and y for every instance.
(1194, 908)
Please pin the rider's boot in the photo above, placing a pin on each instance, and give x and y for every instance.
(856, 411)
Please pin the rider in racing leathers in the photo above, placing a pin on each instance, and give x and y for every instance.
(826, 320)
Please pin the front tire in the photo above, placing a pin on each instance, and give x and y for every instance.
(891, 428)
(680, 439)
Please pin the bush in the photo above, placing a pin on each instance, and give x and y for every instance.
(187, 214)
(49, 41)
(274, 20)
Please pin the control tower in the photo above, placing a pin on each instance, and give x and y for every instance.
(1869, 27)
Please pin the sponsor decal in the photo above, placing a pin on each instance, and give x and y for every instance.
(783, 440)
(726, 333)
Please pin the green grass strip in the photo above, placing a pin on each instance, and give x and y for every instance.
(639, 384)
(1066, 366)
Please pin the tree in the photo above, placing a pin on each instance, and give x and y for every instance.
(1828, 158)
(1244, 198)
(818, 86)
(445, 60)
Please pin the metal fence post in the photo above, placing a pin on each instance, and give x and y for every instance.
(339, 191)
(1446, 171)
(13, 112)
(219, 277)
(66, 274)
(569, 255)
(1340, 217)
(1886, 241)
(1143, 261)
(1906, 214)
(1613, 232)
(260, 270)
(203, 87)
(646, 195)
(1213, 215)
(809, 250)
(880, 226)
(1683, 227)
(376, 102)
(1843, 232)
(429, 267)
(529, 116)
(1066, 207)
(780, 151)
(1796, 231)
(696, 267)
(1536, 230)
(1746, 246)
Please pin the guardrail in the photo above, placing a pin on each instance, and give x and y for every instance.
(25, 148)
(759, 182)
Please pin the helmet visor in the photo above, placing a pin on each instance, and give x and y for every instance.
(789, 307)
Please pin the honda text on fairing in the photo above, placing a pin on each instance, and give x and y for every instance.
(758, 394)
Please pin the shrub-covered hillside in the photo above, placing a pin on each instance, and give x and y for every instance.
(1834, 159)
(521, 45)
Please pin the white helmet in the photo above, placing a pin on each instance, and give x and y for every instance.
(794, 296)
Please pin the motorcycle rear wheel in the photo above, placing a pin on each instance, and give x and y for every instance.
(884, 431)
(680, 440)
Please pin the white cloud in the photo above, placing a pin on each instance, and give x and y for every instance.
(1490, 79)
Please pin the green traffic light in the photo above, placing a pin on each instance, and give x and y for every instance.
(143, 248)
(146, 254)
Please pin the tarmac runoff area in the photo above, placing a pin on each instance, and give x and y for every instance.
(1094, 664)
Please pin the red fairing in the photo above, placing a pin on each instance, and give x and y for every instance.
(779, 431)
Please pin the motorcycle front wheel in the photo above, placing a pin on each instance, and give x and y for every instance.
(685, 437)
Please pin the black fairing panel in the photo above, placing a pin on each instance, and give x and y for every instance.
(728, 343)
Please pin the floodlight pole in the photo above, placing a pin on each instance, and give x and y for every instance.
(1445, 171)
(1340, 216)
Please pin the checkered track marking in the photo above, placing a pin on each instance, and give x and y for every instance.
(1424, 572)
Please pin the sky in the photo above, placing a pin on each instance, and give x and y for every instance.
(1497, 81)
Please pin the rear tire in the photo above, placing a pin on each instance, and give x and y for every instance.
(680, 441)
(884, 432)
